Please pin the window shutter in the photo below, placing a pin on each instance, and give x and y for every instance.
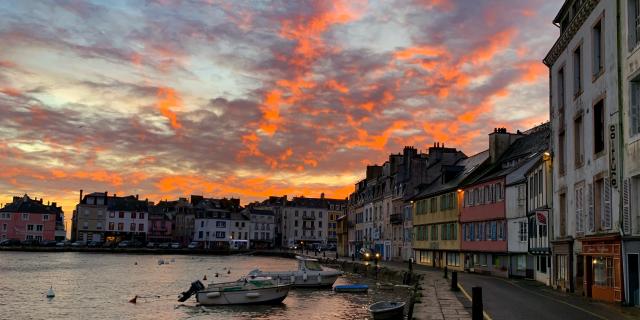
(606, 210)
(590, 214)
(626, 214)
(634, 109)
(579, 202)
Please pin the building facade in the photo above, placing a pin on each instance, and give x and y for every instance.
(126, 218)
(305, 222)
(540, 190)
(30, 219)
(90, 217)
(584, 112)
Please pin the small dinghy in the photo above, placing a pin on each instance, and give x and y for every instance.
(353, 288)
(387, 310)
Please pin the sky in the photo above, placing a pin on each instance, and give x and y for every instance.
(248, 99)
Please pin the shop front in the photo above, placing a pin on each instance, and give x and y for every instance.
(602, 268)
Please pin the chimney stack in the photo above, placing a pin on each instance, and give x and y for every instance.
(80, 196)
(322, 195)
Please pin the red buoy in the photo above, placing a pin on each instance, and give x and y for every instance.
(134, 300)
(205, 278)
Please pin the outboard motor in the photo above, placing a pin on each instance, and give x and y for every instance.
(195, 287)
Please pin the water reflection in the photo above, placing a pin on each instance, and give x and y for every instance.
(99, 286)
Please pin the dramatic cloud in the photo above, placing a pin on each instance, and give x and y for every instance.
(251, 99)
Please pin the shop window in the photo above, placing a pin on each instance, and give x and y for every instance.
(603, 271)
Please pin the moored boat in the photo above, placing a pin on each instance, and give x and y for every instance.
(353, 288)
(387, 310)
(309, 274)
(257, 290)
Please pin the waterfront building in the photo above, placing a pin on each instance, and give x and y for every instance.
(126, 218)
(336, 209)
(262, 228)
(162, 220)
(276, 205)
(184, 220)
(30, 219)
(539, 194)
(630, 151)
(305, 221)
(585, 116)
(89, 219)
(240, 226)
(436, 214)
(523, 155)
(483, 214)
(213, 221)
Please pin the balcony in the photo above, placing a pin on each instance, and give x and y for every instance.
(308, 217)
(396, 218)
(308, 227)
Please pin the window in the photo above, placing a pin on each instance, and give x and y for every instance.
(295, 223)
(561, 91)
(522, 233)
(4, 227)
(220, 234)
(634, 108)
(561, 152)
(634, 23)
(200, 234)
(25, 216)
(577, 71)
(120, 226)
(255, 235)
(133, 215)
(221, 224)
(579, 209)
(141, 215)
(598, 49)
(121, 215)
(29, 227)
(45, 217)
(578, 141)
(603, 271)
(598, 127)
(99, 226)
(85, 225)
(112, 214)
(563, 215)
(320, 214)
(296, 213)
(132, 227)
(111, 226)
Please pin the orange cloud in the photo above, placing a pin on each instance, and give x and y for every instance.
(168, 99)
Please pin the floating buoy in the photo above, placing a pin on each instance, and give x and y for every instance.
(135, 263)
(229, 271)
(216, 275)
(50, 293)
(205, 278)
(160, 262)
(134, 300)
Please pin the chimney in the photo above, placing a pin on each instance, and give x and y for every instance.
(499, 142)
(80, 196)
(136, 197)
(54, 204)
(322, 195)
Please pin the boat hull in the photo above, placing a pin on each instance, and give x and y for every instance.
(272, 295)
(387, 310)
(312, 279)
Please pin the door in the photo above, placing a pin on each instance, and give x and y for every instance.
(588, 275)
(634, 281)
(580, 275)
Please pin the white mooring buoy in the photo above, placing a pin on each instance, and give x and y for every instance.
(50, 293)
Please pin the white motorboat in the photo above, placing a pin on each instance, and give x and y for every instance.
(309, 274)
(257, 290)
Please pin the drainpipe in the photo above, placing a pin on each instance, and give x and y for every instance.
(621, 149)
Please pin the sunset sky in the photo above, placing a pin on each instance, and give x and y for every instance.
(255, 98)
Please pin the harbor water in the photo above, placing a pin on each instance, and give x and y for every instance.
(99, 286)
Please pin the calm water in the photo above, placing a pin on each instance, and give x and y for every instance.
(98, 286)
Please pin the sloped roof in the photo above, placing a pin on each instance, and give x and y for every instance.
(128, 203)
(25, 204)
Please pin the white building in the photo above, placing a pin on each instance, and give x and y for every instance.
(584, 112)
(630, 148)
(213, 223)
(305, 221)
(262, 228)
(539, 191)
(127, 218)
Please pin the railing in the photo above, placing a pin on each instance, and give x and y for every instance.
(308, 217)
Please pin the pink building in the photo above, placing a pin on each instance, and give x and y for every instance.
(31, 219)
(484, 233)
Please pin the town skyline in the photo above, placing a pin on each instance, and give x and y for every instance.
(306, 95)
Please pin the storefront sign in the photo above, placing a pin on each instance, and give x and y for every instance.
(607, 249)
(613, 158)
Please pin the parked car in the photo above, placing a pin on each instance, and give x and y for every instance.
(293, 247)
(9, 243)
(48, 243)
(136, 244)
(30, 243)
(366, 254)
(194, 245)
(164, 245)
(124, 244)
(176, 245)
(94, 244)
(151, 245)
(79, 244)
(64, 243)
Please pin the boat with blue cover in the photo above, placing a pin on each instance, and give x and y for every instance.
(354, 288)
